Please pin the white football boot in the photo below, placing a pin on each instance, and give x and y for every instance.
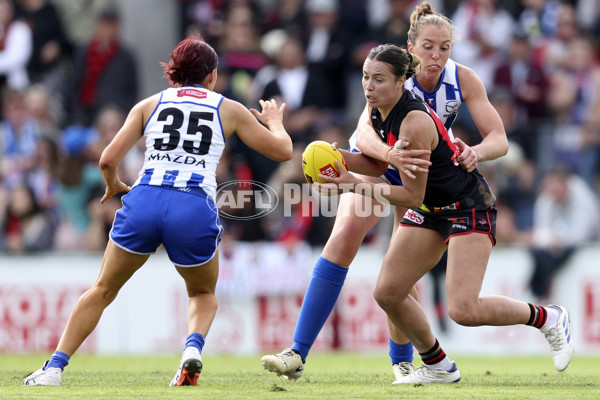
(425, 375)
(560, 339)
(49, 377)
(189, 369)
(287, 363)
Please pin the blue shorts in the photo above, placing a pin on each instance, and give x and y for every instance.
(187, 224)
(391, 176)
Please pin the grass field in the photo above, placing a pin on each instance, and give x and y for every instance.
(328, 376)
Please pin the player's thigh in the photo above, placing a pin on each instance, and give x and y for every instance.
(468, 256)
(202, 278)
(413, 251)
(118, 265)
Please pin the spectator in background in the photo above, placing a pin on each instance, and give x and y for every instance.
(49, 41)
(327, 44)
(567, 215)
(240, 54)
(77, 178)
(574, 91)
(110, 120)
(19, 137)
(15, 48)
(42, 110)
(79, 16)
(486, 31)
(524, 80)
(105, 72)
(27, 227)
(539, 18)
(43, 178)
(550, 53)
(306, 92)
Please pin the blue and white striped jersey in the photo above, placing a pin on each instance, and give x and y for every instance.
(446, 98)
(184, 140)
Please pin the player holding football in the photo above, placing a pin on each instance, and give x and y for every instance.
(445, 85)
(172, 202)
(450, 209)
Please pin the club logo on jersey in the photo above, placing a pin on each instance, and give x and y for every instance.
(244, 200)
(199, 94)
(451, 109)
(414, 216)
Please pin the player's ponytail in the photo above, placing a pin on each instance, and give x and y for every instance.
(425, 15)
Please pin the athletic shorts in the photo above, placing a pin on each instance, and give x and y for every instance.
(454, 222)
(391, 176)
(186, 223)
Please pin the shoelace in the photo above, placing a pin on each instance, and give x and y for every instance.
(554, 338)
(287, 355)
(405, 367)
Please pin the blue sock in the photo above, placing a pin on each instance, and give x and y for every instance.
(58, 360)
(400, 352)
(196, 340)
(322, 293)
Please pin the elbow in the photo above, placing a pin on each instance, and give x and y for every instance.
(106, 163)
(504, 149)
(413, 203)
(286, 153)
(382, 167)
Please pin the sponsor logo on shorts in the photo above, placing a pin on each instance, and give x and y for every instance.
(414, 216)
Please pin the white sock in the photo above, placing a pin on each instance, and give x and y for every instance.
(552, 317)
(445, 365)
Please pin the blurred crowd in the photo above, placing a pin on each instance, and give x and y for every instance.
(68, 80)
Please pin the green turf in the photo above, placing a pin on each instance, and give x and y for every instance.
(328, 376)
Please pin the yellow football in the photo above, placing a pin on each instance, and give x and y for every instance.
(319, 157)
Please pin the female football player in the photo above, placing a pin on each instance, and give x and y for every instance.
(450, 208)
(173, 200)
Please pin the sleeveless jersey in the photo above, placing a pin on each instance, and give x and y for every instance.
(184, 141)
(446, 98)
(447, 182)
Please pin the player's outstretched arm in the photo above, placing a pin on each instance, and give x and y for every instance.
(273, 142)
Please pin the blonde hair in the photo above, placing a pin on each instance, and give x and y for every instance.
(425, 15)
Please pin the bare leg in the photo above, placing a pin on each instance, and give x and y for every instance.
(467, 261)
(118, 266)
(395, 332)
(200, 283)
(419, 249)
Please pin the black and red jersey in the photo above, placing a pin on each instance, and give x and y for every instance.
(447, 182)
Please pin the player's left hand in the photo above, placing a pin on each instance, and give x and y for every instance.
(114, 189)
(346, 182)
(467, 156)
